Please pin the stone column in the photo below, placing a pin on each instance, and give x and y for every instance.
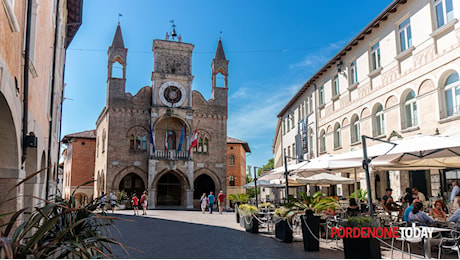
(189, 198)
(152, 199)
(150, 188)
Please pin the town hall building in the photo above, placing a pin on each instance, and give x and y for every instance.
(143, 141)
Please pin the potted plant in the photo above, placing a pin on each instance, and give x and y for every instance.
(362, 196)
(123, 200)
(361, 248)
(283, 224)
(236, 200)
(311, 205)
(248, 212)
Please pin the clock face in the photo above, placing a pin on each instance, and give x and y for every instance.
(172, 94)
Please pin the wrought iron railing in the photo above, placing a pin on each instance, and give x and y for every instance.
(171, 155)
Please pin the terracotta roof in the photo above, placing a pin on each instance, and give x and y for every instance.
(74, 19)
(383, 16)
(220, 55)
(231, 140)
(90, 134)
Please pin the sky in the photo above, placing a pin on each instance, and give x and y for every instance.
(273, 48)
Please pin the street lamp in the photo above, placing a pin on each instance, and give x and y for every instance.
(255, 184)
(366, 162)
(286, 174)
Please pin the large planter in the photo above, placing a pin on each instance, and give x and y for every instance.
(283, 231)
(251, 224)
(311, 233)
(361, 248)
(237, 214)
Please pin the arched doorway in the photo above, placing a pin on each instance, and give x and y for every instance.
(169, 191)
(203, 184)
(131, 183)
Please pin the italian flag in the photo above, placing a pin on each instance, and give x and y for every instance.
(194, 140)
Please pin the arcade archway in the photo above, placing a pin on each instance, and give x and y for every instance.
(132, 183)
(169, 190)
(203, 184)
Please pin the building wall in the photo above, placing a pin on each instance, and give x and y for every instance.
(238, 170)
(79, 166)
(423, 68)
(12, 43)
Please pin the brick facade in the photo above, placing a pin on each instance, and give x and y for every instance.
(125, 159)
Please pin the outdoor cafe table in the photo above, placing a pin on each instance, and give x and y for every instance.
(427, 244)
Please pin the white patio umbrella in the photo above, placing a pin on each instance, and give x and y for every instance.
(278, 173)
(422, 151)
(263, 184)
(324, 179)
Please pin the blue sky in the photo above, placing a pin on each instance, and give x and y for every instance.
(273, 48)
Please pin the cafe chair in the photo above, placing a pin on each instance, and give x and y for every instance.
(452, 243)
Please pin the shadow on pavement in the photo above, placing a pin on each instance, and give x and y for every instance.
(158, 238)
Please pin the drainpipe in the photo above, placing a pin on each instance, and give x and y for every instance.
(53, 77)
(25, 117)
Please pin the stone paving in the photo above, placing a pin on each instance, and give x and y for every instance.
(191, 234)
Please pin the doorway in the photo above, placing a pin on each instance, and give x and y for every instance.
(203, 184)
(169, 191)
(132, 183)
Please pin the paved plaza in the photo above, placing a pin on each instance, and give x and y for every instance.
(191, 234)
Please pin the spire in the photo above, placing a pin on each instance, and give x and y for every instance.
(220, 55)
(118, 39)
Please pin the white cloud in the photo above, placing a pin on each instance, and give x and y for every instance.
(319, 57)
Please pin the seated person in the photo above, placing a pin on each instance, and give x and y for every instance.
(417, 215)
(388, 203)
(408, 197)
(456, 216)
(353, 210)
(437, 211)
(409, 209)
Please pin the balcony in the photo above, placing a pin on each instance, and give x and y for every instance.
(170, 155)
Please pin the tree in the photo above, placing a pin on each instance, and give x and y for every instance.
(267, 167)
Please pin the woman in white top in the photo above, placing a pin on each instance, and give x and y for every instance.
(204, 202)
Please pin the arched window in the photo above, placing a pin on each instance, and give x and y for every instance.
(379, 121)
(310, 139)
(231, 160)
(103, 140)
(205, 145)
(200, 145)
(117, 70)
(337, 136)
(131, 142)
(138, 142)
(144, 143)
(231, 180)
(410, 111)
(355, 129)
(452, 94)
(322, 141)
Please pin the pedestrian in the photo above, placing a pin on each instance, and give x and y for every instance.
(204, 202)
(455, 196)
(135, 201)
(103, 199)
(220, 201)
(144, 199)
(418, 195)
(211, 199)
(113, 201)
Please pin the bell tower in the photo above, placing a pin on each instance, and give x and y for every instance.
(116, 68)
(219, 66)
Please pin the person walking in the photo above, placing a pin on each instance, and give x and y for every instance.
(211, 199)
(135, 201)
(113, 201)
(455, 196)
(204, 202)
(144, 199)
(103, 199)
(220, 201)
